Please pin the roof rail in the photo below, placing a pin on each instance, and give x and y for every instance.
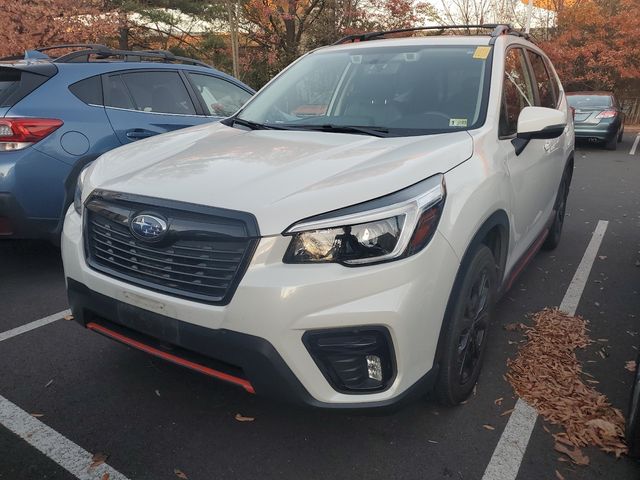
(86, 50)
(496, 30)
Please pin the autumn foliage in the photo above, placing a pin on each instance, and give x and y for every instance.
(26, 24)
(597, 45)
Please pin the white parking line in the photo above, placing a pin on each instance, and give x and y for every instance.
(58, 448)
(635, 145)
(33, 325)
(507, 457)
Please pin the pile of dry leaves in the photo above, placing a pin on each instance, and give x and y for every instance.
(547, 375)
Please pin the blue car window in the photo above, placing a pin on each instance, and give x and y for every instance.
(221, 98)
(88, 90)
(116, 94)
(159, 92)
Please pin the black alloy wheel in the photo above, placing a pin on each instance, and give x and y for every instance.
(467, 328)
(555, 230)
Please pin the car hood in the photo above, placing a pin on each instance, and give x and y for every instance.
(279, 176)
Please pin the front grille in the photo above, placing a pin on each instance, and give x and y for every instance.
(202, 256)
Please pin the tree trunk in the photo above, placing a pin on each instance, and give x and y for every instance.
(233, 27)
(123, 31)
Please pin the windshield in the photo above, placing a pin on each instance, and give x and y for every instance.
(589, 101)
(393, 91)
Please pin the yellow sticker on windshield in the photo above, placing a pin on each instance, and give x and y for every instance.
(457, 122)
(482, 52)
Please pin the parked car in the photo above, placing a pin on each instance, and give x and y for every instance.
(341, 241)
(598, 117)
(59, 114)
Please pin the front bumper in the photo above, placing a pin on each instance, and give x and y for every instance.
(260, 331)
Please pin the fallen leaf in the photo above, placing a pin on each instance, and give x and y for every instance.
(105, 476)
(68, 317)
(37, 415)
(498, 401)
(575, 454)
(242, 418)
(559, 476)
(607, 427)
(180, 474)
(548, 375)
(486, 426)
(507, 412)
(630, 365)
(49, 383)
(98, 459)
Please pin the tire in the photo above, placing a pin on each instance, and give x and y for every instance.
(555, 231)
(633, 422)
(467, 325)
(611, 144)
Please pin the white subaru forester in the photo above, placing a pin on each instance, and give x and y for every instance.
(340, 241)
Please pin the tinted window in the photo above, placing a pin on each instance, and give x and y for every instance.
(116, 93)
(16, 84)
(517, 91)
(554, 82)
(543, 81)
(159, 92)
(589, 101)
(221, 98)
(9, 83)
(404, 90)
(88, 90)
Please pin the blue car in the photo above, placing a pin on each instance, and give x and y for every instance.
(59, 114)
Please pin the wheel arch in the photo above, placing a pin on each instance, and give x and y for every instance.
(494, 233)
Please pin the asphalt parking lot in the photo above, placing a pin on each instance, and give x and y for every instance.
(158, 421)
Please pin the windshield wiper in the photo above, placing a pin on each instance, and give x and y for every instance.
(373, 131)
(249, 124)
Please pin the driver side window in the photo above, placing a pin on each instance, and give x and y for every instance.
(517, 91)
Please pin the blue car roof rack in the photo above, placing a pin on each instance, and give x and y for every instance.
(497, 29)
(85, 51)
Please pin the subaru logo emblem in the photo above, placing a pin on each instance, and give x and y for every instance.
(148, 227)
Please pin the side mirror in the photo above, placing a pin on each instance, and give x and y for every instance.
(540, 123)
(536, 123)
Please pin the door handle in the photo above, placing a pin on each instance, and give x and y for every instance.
(139, 134)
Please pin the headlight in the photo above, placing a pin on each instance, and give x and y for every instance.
(77, 196)
(388, 228)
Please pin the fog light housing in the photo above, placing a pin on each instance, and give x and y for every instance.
(353, 360)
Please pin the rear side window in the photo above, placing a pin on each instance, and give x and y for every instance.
(543, 81)
(116, 93)
(88, 90)
(16, 84)
(517, 91)
(159, 92)
(221, 98)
